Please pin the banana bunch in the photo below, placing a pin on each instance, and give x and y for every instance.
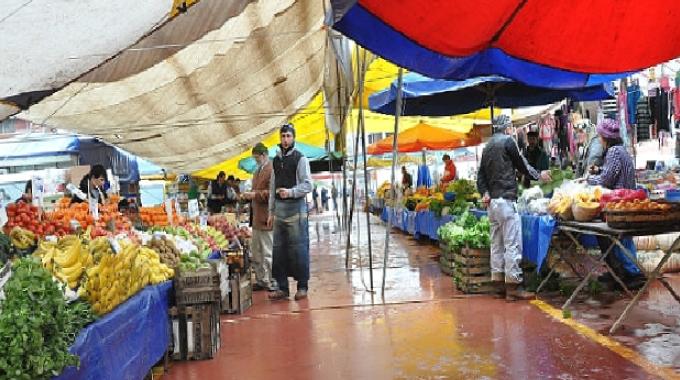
(117, 277)
(67, 260)
(21, 238)
(559, 204)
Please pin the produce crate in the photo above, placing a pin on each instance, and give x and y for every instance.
(240, 296)
(196, 296)
(472, 273)
(195, 331)
(201, 278)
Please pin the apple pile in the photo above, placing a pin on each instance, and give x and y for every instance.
(230, 231)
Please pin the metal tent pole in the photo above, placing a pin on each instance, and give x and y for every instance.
(368, 213)
(361, 71)
(397, 113)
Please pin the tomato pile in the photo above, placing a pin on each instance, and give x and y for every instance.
(26, 216)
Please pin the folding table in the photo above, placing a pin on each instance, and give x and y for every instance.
(575, 229)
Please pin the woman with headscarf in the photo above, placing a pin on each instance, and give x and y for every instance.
(617, 172)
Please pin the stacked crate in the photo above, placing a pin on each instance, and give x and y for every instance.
(470, 268)
(196, 316)
(240, 296)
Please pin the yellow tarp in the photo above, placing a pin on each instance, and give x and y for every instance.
(310, 127)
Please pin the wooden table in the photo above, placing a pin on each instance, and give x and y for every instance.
(574, 229)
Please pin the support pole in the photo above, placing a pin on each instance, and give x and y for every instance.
(397, 113)
(367, 208)
(361, 63)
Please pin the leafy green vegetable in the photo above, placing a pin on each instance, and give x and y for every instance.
(463, 188)
(466, 231)
(37, 327)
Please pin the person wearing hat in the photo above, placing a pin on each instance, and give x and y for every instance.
(497, 181)
(261, 248)
(536, 157)
(617, 172)
(289, 185)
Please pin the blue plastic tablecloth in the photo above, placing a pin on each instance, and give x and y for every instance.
(537, 231)
(127, 342)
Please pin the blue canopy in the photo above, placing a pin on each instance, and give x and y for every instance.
(249, 165)
(373, 33)
(38, 145)
(437, 97)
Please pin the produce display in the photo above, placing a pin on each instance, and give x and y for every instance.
(95, 264)
(467, 231)
(637, 205)
(585, 201)
(166, 249)
(156, 216)
(65, 259)
(21, 238)
(110, 219)
(37, 325)
(117, 277)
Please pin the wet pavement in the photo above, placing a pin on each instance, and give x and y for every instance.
(422, 328)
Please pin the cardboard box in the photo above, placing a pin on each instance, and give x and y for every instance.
(76, 173)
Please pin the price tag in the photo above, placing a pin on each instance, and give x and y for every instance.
(114, 245)
(168, 209)
(193, 208)
(94, 208)
(51, 238)
(38, 189)
(203, 220)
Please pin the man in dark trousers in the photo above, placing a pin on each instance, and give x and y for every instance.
(324, 199)
(290, 183)
(497, 181)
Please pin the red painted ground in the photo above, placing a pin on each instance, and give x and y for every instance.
(421, 329)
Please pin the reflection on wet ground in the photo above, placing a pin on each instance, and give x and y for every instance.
(421, 327)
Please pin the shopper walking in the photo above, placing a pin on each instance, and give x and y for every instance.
(497, 181)
(334, 196)
(315, 200)
(324, 199)
(290, 183)
(261, 248)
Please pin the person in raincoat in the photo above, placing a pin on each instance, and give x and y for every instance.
(497, 181)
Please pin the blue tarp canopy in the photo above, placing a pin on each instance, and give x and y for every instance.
(38, 145)
(393, 38)
(437, 97)
(311, 152)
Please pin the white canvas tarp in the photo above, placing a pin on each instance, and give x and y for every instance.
(209, 100)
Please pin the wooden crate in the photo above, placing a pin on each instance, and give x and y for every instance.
(472, 273)
(201, 278)
(195, 331)
(240, 296)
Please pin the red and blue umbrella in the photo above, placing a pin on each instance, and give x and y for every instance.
(557, 44)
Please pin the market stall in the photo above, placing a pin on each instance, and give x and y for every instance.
(112, 283)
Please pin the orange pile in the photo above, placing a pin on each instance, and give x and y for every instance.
(156, 216)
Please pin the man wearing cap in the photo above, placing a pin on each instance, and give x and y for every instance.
(289, 185)
(261, 248)
(497, 181)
